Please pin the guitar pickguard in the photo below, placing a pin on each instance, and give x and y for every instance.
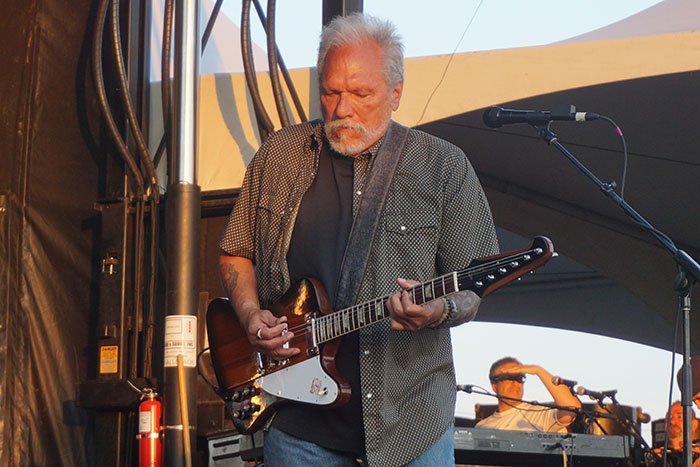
(304, 382)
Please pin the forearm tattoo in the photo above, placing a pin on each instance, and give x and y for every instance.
(229, 276)
(466, 304)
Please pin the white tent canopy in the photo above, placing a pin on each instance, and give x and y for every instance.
(644, 72)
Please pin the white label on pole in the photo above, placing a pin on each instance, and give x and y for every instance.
(181, 339)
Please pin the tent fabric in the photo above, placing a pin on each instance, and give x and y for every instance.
(533, 189)
(51, 187)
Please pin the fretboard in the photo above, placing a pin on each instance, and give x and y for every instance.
(359, 316)
(481, 278)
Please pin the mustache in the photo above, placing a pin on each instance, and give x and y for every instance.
(345, 124)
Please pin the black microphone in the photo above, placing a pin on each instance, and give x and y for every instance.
(557, 380)
(465, 387)
(495, 117)
(581, 391)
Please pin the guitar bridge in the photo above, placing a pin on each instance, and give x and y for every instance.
(312, 345)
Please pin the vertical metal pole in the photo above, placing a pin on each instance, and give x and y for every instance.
(333, 8)
(182, 221)
(686, 381)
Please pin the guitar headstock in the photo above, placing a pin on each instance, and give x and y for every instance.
(487, 274)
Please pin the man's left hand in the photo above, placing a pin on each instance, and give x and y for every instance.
(406, 315)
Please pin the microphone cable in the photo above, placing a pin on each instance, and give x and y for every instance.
(618, 130)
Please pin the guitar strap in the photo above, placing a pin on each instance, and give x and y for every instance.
(379, 177)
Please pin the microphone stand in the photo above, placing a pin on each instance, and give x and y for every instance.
(688, 275)
(632, 428)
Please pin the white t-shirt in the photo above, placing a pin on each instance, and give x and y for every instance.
(524, 417)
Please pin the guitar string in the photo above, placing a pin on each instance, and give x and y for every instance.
(336, 316)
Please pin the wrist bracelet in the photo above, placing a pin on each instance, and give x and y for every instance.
(448, 312)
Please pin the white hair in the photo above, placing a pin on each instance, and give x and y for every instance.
(358, 28)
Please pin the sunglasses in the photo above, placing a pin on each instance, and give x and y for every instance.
(506, 377)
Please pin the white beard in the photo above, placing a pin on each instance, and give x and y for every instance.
(338, 140)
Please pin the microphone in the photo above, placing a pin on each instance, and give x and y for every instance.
(495, 117)
(557, 380)
(581, 391)
(465, 387)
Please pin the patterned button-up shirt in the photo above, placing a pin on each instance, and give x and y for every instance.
(435, 220)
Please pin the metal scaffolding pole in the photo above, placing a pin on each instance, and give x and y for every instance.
(182, 221)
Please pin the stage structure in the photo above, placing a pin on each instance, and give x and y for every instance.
(86, 161)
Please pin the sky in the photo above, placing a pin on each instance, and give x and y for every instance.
(641, 374)
(436, 27)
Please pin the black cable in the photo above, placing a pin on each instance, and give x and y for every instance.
(217, 389)
(131, 430)
(102, 97)
(272, 61)
(210, 24)
(618, 130)
(140, 237)
(149, 320)
(137, 312)
(285, 72)
(123, 92)
(265, 125)
(165, 89)
(162, 144)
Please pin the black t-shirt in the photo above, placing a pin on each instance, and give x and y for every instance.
(317, 247)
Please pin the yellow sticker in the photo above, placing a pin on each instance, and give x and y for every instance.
(109, 359)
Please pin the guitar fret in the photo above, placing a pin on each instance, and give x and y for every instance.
(441, 287)
(364, 314)
(417, 295)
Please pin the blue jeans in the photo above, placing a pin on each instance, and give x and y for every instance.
(283, 450)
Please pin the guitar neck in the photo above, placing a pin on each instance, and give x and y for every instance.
(365, 314)
(483, 276)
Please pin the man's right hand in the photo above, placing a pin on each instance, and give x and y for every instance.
(269, 334)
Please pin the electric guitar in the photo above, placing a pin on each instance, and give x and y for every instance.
(255, 384)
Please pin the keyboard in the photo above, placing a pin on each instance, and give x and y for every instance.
(529, 448)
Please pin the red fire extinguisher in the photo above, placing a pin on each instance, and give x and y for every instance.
(150, 442)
